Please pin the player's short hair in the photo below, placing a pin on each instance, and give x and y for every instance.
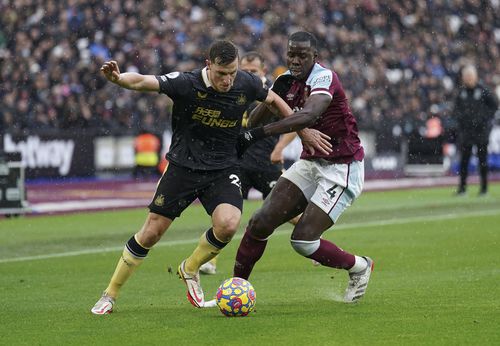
(251, 56)
(304, 36)
(222, 52)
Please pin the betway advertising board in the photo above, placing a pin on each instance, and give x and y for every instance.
(52, 155)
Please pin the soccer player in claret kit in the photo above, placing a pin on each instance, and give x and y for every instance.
(206, 119)
(320, 185)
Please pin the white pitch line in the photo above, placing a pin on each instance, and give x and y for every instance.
(386, 222)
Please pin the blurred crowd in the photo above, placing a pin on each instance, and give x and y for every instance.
(399, 60)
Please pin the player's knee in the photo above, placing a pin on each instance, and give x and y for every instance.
(226, 226)
(305, 247)
(152, 231)
(260, 226)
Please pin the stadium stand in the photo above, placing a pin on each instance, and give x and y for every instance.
(399, 60)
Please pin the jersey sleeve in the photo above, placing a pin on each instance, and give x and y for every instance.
(323, 83)
(174, 84)
(282, 84)
(261, 90)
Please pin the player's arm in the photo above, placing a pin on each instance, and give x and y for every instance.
(259, 114)
(277, 153)
(129, 80)
(314, 107)
(275, 104)
(312, 140)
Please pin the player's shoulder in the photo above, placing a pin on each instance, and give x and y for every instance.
(178, 83)
(321, 75)
(245, 79)
(180, 77)
(285, 77)
(283, 81)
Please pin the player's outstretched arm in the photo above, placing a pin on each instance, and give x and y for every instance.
(260, 114)
(129, 80)
(307, 116)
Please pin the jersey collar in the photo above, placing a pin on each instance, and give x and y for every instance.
(204, 75)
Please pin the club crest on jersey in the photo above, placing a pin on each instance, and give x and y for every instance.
(242, 99)
(289, 96)
(201, 95)
(160, 201)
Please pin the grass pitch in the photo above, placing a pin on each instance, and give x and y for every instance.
(436, 279)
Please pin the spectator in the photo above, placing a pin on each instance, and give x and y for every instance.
(475, 107)
(399, 58)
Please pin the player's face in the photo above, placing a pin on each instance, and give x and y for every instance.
(222, 76)
(300, 58)
(254, 66)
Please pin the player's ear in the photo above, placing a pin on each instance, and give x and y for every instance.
(207, 63)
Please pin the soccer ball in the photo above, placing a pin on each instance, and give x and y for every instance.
(235, 297)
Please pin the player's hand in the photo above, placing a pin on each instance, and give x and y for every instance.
(247, 138)
(314, 140)
(111, 71)
(277, 156)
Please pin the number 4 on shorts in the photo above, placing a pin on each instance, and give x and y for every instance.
(331, 191)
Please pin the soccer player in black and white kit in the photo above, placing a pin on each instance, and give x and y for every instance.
(206, 119)
(257, 170)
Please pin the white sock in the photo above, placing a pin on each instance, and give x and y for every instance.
(359, 265)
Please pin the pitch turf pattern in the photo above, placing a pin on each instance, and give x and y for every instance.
(436, 279)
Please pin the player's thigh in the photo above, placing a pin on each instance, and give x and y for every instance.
(175, 191)
(338, 187)
(284, 202)
(224, 188)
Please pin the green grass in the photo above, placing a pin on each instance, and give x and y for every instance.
(436, 279)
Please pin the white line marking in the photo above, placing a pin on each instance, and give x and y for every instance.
(386, 222)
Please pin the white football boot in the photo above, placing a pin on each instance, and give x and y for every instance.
(194, 290)
(358, 282)
(104, 305)
(210, 304)
(208, 268)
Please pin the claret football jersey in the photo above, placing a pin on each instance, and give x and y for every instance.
(206, 123)
(337, 121)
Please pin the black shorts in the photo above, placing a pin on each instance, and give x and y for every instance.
(180, 186)
(260, 180)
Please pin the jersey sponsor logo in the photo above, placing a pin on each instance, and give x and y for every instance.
(242, 99)
(211, 117)
(201, 95)
(160, 201)
(324, 80)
